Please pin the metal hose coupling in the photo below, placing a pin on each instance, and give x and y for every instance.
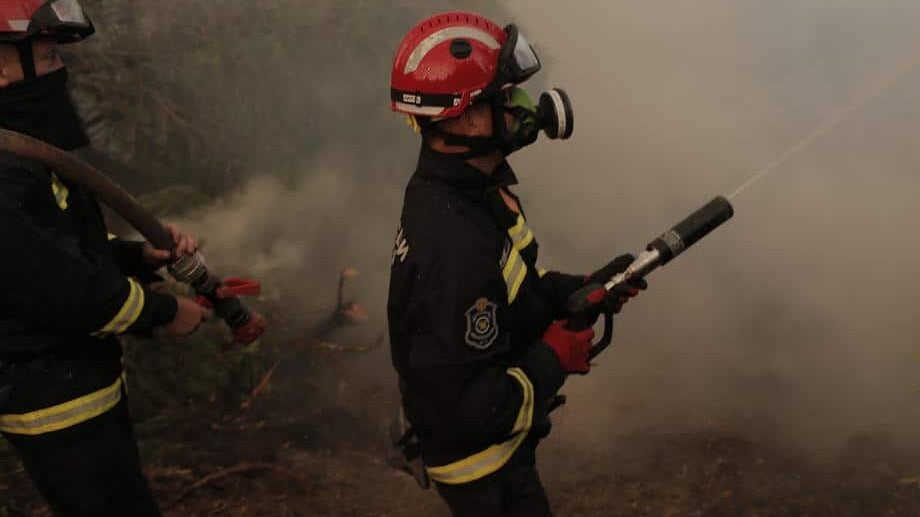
(222, 296)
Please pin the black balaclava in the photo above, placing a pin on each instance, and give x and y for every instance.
(42, 108)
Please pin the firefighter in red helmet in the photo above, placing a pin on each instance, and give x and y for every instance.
(477, 328)
(68, 289)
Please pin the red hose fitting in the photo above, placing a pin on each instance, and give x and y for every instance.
(251, 331)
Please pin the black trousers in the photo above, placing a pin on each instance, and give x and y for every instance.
(514, 490)
(89, 469)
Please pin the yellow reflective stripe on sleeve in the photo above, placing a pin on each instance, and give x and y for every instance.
(526, 240)
(519, 227)
(112, 236)
(128, 313)
(521, 235)
(64, 415)
(525, 414)
(515, 269)
(514, 272)
(542, 272)
(488, 461)
(60, 191)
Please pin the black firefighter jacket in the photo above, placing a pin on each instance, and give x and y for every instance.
(467, 308)
(67, 290)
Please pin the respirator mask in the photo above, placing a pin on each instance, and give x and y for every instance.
(552, 113)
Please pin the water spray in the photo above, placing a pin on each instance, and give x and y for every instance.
(882, 85)
(585, 304)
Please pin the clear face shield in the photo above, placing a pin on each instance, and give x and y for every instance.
(517, 61)
(552, 114)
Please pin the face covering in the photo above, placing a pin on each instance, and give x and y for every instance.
(553, 115)
(42, 108)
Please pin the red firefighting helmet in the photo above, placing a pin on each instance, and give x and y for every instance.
(63, 20)
(446, 61)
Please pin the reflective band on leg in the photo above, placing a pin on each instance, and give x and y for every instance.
(488, 461)
(128, 313)
(63, 415)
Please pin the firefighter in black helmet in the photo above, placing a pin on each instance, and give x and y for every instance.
(476, 327)
(68, 289)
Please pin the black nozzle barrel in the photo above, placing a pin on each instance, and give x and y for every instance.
(693, 228)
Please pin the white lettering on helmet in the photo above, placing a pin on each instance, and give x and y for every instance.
(436, 38)
(410, 98)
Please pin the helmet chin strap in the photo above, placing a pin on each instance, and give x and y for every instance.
(26, 58)
(478, 146)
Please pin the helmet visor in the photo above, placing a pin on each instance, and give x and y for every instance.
(525, 57)
(518, 60)
(63, 19)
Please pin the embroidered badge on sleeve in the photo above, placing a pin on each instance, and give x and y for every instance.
(481, 324)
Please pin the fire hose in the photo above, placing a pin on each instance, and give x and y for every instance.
(222, 295)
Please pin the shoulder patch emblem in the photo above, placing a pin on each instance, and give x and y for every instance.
(400, 246)
(481, 324)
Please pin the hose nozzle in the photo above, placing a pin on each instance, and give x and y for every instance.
(222, 295)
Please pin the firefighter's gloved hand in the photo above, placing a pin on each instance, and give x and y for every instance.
(619, 295)
(613, 302)
(185, 245)
(189, 317)
(571, 346)
(614, 267)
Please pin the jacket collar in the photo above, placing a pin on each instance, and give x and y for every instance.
(455, 172)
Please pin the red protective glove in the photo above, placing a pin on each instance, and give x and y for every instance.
(571, 346)
(613, 302)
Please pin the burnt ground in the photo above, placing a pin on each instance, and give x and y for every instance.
(330, 462)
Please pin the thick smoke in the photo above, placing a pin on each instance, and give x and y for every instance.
(795, 320)
(296, 98)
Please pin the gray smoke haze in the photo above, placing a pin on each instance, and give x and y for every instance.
(795, 320)
(297, 96)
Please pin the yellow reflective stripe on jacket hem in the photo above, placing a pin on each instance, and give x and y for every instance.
(64, 415)
(129, 312)
(60, 191)
(488, 461)
(514, 272)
